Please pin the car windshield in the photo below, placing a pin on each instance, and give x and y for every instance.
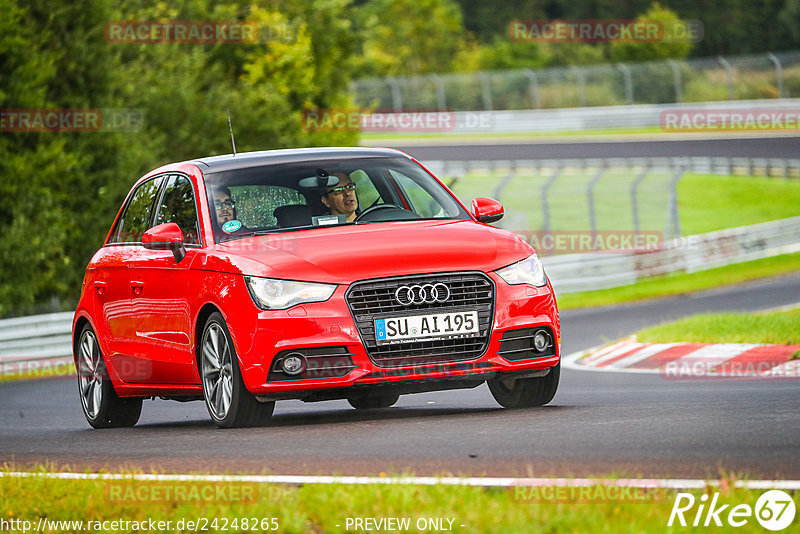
(287, 197)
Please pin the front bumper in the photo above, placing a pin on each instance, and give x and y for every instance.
(319, 327)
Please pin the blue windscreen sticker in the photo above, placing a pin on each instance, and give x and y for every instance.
(231, 226)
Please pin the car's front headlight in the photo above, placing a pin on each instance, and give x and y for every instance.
(528, 271)
(272, 294)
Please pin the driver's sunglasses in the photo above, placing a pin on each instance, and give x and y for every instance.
(227, 204)
(341, 189)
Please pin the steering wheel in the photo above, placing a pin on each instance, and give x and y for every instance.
(376, 207)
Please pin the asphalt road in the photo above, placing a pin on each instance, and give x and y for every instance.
(563, 148)
(598, 424)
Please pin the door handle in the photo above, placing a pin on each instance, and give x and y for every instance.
(100, 286)
(137, 286)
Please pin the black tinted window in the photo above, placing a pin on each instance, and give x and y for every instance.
(177, 205)
(136, 217)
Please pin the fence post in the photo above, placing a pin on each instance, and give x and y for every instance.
(729, 72)
(778, 73)
(581, 77)
(678, 173)
(397, 100)
(634, 197)
(441, 99)
(486, 91)
(504, 182)
(545, 190)
(590, 197)
(626, 75)
(676, 76)
(536, 98)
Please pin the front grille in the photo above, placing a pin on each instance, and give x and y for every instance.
(375, 299)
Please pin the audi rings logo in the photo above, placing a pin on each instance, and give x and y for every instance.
(422, 294)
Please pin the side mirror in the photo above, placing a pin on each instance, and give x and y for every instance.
(167, 236)
(487, 210)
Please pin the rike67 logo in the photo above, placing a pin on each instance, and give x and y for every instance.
(774, 510)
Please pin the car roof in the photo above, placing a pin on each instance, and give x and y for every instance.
(245, 160)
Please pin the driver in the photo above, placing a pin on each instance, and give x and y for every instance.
(341, 198)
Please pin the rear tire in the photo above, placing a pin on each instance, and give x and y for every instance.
(372, 402)
(526, 392)
(102, 407)
(228, 402)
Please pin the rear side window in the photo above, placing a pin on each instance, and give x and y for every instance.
(178, 206)
(138, 214)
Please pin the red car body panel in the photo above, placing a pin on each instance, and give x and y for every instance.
(146, 308)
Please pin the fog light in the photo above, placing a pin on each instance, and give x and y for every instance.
(540, 341)
(294, 363)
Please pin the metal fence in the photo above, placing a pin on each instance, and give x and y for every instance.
(655, 82)
(594, 195)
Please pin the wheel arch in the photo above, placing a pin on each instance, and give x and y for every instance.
(80, 323)
(202, 316)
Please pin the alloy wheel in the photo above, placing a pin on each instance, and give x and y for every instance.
(217, 371)
(90, 374)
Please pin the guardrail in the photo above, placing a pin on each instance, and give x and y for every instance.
(584, 119)
(584, 272)
(36, 345)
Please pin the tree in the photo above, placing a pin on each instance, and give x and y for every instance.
(409, 37)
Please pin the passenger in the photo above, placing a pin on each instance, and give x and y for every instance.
(341, 199)
(224, 205)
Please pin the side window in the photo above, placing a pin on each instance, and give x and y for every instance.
(365, 189)
(136, 217)
(421, 200)
(178, 206)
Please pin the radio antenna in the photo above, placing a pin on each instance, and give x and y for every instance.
(231, 129)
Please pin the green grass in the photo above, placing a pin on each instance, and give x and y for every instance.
(681, 283)
(708, 202)
(325, 508)
(781, 328)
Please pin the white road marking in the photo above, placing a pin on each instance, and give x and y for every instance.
(667, 483)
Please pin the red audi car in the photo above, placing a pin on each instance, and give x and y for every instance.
(311, 274)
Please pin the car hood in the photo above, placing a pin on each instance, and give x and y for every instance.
(344, 254)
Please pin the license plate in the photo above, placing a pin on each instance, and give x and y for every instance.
(427, 327)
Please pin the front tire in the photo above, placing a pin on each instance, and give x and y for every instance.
(525, 392)
(228, 402)
(372, 402)
(102, 407)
